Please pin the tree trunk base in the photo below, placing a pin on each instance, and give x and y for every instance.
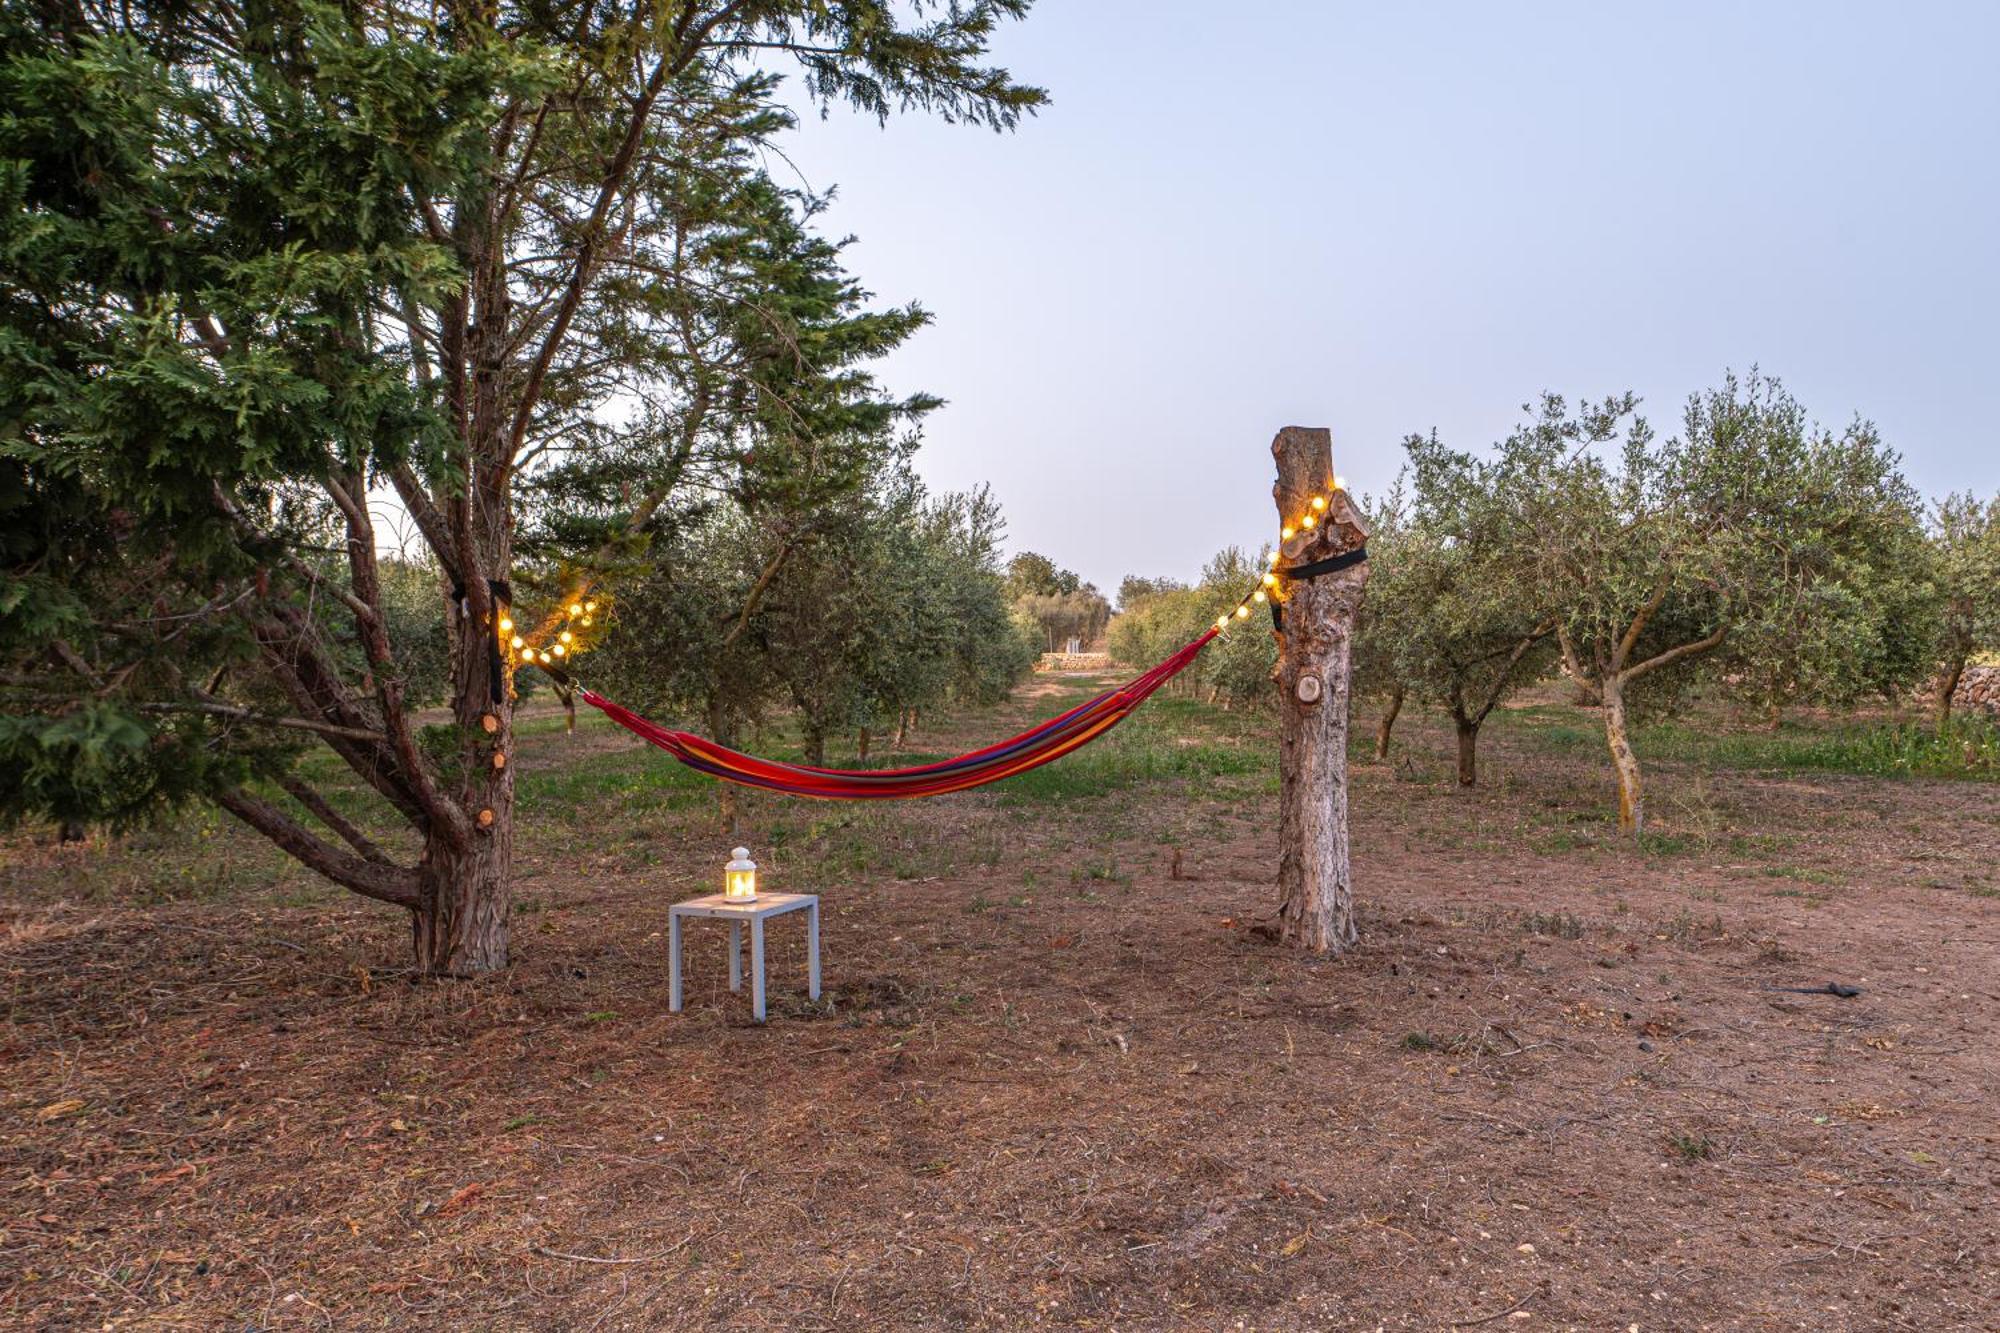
(460, 927)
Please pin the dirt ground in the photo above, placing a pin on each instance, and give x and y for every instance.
(1051, 1084)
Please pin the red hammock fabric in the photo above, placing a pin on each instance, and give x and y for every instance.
(1031, 749)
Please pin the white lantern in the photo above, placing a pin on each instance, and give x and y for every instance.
(739, 877)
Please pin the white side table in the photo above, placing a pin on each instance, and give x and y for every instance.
(756, 912)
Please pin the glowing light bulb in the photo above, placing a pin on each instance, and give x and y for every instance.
(506, 624)
(576, 608)
(567, 637)
(589, 607)
(1340, 483)
(1270, 580)
(1310, 521)
(545, 655)
(586, 622)
(1319, 502)
(516, 643)
(1286, 532)
(1258, 595)
(1222, 622)
(560, 650)
(1242, 611)
(1274, 558)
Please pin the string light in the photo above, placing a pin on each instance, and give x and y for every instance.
(1319, 502)
(1270, 580)
(1221, 623)
(589, 607)
(1259, 595)
(507, 625)
(559, 650)
(1287, 532)
(1242, 611)
(567, 637)
(516, 643)
(1340, 483)
(576, 608)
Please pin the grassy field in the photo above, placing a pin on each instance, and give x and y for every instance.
(1061, 1076)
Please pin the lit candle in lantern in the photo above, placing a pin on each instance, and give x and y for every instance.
(739, 877)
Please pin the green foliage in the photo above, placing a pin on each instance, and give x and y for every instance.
(260, 268)
(857, 615)
(1236, 668)
(96, 763)
(1965, 565)
(1454, 614)
(1749, 547)
(1055, 601)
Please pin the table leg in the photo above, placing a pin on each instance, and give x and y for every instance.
(757, 968)
(812, 951)
(736, 955)
(673, 962)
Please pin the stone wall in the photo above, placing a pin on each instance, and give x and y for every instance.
(1978, 688)
(1074, 662)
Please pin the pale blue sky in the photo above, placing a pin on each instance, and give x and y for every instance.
(1384, 218)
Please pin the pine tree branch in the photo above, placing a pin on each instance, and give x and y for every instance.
(384, 883)
(262, 719)
(333, 819)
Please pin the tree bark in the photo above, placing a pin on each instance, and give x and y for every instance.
(1631, 785)
(861, 745)
(1387, 724)
(1468, 749)
(1581, 693)
(1314, 675)
(1947, 686)
(464, 879)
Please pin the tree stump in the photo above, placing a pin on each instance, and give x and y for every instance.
(1314, 675)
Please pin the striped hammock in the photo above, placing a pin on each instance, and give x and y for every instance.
(1031, 749)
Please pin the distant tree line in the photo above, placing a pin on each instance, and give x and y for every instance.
(1056, 602)
(1752, 555)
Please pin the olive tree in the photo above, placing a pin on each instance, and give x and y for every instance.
(1455, 613)
(1659, 553)
(1965, 562)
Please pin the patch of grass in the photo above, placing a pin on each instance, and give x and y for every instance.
(1655, 843)
(1691, 1147)
(1155, 749)
(1969, 749)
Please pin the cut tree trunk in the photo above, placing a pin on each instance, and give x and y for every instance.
(1631, 786)
(1314, 675)
(1388, 724)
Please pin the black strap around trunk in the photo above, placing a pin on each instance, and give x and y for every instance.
(1332, 564)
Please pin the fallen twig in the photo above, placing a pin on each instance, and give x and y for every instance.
(667, 1253)
(1497, 1314)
